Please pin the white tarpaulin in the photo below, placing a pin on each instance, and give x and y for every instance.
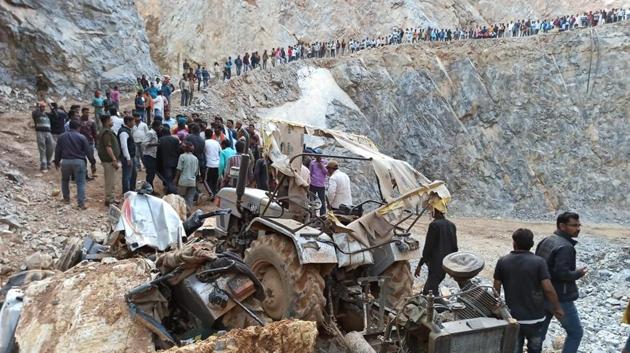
(396, 178)
(149, 221)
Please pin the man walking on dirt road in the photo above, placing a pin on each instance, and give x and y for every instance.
(441, 240)
(559, 252)
(45, 142)
(108, 152)
(70, 154)
(525, 279)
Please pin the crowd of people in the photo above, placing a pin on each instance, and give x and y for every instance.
(194, 158)
(319, 49)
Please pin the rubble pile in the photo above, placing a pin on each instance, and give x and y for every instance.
(279, 336)
(33, 221)
(15, 99)
(84, 310)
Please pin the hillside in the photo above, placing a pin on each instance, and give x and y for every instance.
(517, 127)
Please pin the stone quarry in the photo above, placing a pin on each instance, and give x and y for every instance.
(520, 129)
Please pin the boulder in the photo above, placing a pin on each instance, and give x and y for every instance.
(84, 310)
(279, 336)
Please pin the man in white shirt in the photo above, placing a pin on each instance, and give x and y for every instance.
(338, 192)
(212, 152)
(158, 105)
(117, 122)
(139, 131)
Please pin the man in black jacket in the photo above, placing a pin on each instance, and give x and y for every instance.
(168, 152)
(559, 252)
(58, 119)
(441, 240)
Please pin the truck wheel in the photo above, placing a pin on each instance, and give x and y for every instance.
(292, 290)
(400, 283)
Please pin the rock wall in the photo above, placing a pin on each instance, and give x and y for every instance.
(209, 31)
(521, 127)
(77, 45)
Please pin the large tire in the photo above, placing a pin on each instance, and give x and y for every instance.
(399, 285)
(293, 290)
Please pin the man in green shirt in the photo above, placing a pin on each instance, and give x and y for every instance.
(108, 152)
(98, 103)
(186, 175)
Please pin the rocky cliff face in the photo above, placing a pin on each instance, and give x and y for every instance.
(76, 45)
(516, 127)
(208, 31)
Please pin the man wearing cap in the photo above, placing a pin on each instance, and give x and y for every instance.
(441, 240)
(338, 191)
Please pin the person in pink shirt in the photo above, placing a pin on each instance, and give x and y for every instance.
(115, 97)
(317, 168)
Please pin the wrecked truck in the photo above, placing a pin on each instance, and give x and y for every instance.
(317, 266)
(349, 269)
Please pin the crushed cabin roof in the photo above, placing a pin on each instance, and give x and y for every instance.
(397, 179)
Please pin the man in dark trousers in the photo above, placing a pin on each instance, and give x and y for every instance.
(441, 240)
(168, 152)
(525, 280)
(559, 252)
(71, 153)
(127, 155)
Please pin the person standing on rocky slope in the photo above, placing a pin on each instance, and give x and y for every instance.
(58, 118)
(239, 63)
(41, 87)
(88, 129)
(70, 154)
(265, 58)
(559, 252)
(184, 87)
(45, 142)
(525, 279)
(99, 107)
(108, 152)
